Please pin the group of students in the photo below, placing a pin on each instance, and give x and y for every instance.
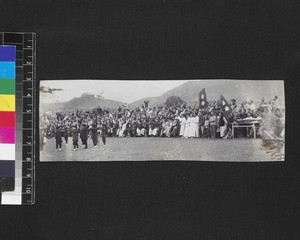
(179, 120)
(83, 132)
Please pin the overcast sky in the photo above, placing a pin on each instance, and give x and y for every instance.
(124, 91)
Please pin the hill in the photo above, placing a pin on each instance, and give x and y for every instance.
(237, 89)
(84, 102)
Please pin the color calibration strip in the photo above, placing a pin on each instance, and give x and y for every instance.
(24, 152)
(7, 118)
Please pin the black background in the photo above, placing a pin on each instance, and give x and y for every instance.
(162, 40)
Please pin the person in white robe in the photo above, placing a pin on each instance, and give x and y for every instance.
(196, 122)
(182, 121)
(122, 129)
(138, 132)
(192, 127)
(187, 126)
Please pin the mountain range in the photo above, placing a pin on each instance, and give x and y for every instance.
(237, 89)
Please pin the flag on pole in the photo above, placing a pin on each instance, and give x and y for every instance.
(203, 103)
(227, 110)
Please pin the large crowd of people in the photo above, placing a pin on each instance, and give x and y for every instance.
(179, 120)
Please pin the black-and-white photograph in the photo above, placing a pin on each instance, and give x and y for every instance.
(140, 120)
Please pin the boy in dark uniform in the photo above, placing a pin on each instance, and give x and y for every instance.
(84, 135)
(58, 137)
(75, 138)
(81, 135)
(103, 132)
(65, 134)
(94, 134)
(115, 128)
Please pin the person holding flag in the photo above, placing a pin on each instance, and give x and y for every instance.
(203, 103)
(222, 123)
(226, 108)
(227, 113)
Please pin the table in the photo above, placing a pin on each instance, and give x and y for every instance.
(254, 124)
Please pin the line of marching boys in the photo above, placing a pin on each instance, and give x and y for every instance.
(83, 132)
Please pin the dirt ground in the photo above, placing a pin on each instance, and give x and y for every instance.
(142, 149)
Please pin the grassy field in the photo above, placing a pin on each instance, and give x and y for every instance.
(142, 149)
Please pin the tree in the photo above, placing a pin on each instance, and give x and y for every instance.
(91, 95)
(173, 101)
(87, 95)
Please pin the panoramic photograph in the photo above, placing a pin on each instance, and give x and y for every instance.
(159, 120)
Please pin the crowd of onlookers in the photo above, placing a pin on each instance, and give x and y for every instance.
(178, 120)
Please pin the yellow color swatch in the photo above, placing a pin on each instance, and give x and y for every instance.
(7, 103)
